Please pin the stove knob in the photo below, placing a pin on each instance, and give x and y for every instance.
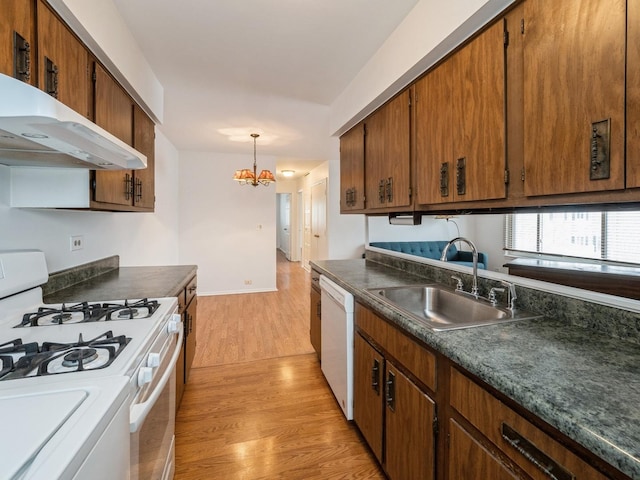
(173, 326)
(153, 360)
(176, 317)
(145, 375)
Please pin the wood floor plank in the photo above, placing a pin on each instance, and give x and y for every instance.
(274, 418)
(257, 405)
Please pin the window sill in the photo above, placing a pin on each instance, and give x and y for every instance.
(622, 281)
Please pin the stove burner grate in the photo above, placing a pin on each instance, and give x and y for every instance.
(143, 308)
(80, 312)
(53, 358)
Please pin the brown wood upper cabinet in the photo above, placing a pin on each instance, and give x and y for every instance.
(352, 169)
(387, 155)
(116, 112)
(16, 40)
(633, 94)
(574, 95)
(460, 124)
(144, 141)
(63, 61)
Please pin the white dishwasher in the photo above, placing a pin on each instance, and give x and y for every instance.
(337, 342)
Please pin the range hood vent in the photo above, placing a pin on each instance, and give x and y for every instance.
(39, 131)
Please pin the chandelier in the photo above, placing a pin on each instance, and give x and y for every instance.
(248, 177)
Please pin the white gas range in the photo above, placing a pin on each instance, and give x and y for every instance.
(89, 386)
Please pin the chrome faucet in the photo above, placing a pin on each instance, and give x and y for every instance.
(474, 253)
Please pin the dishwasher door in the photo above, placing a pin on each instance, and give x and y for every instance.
(337, 342)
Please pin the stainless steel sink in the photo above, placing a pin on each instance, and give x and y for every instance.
(441, 308)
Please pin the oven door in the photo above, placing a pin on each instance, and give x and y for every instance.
(152, 414)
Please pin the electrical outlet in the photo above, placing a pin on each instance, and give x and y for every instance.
(76, 242)
(248, 282)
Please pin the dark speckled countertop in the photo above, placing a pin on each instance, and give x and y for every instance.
(126, 282)
(582, 381)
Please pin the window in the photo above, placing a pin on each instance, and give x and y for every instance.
(611, 236)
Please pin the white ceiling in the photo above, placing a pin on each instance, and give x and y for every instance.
(269, 66)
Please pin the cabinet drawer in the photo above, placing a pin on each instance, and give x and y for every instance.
(535, 451)
(417, 359)
(191, 290)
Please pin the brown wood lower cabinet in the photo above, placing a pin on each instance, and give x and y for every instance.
(409, 432)
(368, 393)
(539, 455)
(315, 314)
(188, 309)
(394, 414)
(471, 433)
(470, 459)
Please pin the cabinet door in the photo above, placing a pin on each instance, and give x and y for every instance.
(144, 141)
(190, 337)
(460, 124)
(387, 158)
(314, 321)
(479, 124)
(368, 393)
(469, 459)
(574, 74)
(409, 432)
(16, 28)
(633, 94)
(433, 136)
(63, 62)
(114, 113)
(352, 169)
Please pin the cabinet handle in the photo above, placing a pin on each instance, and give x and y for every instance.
(600, 150)
(391, 391)
(138, 190)
(319, 309)
(461, 167)
(381, 188)
(375, 376)
(444, 179)
(128, 186)
(538, 458)
(389, 189)
(192, 288)
(21, 58)
(51, 77)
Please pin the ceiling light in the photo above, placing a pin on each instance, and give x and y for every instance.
(288, 173)
(248, 177)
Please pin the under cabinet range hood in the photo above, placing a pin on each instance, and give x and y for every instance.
(37, 130)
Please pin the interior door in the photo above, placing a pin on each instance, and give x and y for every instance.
(284, 223)
(319, 244)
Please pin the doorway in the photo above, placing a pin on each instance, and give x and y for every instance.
(283, 224)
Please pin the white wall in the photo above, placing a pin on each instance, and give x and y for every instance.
(139, 238)
(228, 230)
(379, 229)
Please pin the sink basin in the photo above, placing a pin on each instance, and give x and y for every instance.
(440, 308)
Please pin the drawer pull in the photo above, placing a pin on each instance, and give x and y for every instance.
(391, 391)
(375, 376)
(538, 458)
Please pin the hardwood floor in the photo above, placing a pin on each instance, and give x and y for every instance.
(256, 410)
(254, 326)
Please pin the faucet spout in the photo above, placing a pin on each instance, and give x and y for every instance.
(474, 253)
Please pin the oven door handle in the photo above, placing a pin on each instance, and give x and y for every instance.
(140, 411)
